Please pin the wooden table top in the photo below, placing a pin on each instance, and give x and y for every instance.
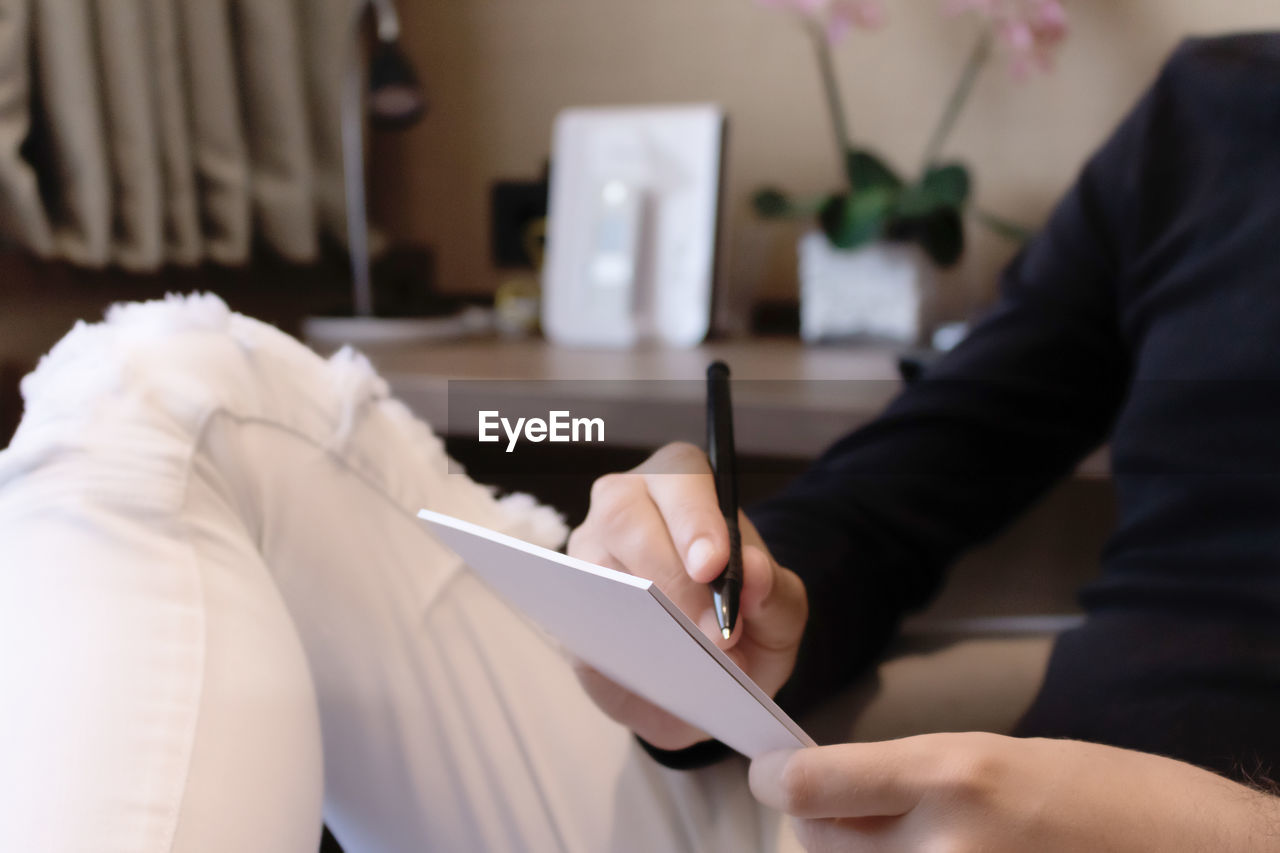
(790, 399)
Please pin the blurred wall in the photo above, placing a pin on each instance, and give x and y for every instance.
(497, 72)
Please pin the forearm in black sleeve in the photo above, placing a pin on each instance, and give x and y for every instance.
(874, 523)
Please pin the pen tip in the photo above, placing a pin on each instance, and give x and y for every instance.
(726, 632)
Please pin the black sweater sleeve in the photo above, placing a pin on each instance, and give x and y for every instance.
(873, 524)
(1150, 286)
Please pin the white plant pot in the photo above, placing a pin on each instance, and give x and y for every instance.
(883, 291)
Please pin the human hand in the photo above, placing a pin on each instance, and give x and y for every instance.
(986, 792)
(661, 521)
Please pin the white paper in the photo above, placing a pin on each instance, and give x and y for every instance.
(626, 628)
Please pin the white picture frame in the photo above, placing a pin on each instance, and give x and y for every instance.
(632, 225)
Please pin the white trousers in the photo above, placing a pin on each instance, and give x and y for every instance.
(219, 620)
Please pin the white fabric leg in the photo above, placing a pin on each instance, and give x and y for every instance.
(450, 722)
(207, 547)
(153, 694)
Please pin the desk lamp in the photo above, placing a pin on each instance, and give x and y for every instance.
(395, 102)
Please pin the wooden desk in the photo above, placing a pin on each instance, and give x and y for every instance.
(790, 400)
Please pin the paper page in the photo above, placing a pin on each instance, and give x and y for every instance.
(625, 627)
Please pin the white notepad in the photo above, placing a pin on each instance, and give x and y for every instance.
(626, 628)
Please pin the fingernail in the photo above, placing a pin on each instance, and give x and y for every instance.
(699, 553)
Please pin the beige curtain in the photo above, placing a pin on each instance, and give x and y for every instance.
(146, 132)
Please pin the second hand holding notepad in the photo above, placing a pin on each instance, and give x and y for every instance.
(625, 627)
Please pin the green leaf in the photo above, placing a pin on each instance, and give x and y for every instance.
(948, 183)
(915, 202)
(867, 171)
(853, 220)
(771, 203)
(942, 237)
(942, 188)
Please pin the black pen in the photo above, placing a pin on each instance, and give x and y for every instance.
(727, 588)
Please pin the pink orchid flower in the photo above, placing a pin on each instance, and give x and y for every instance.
(845, 15)
(1032, 30)
(840, 17)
